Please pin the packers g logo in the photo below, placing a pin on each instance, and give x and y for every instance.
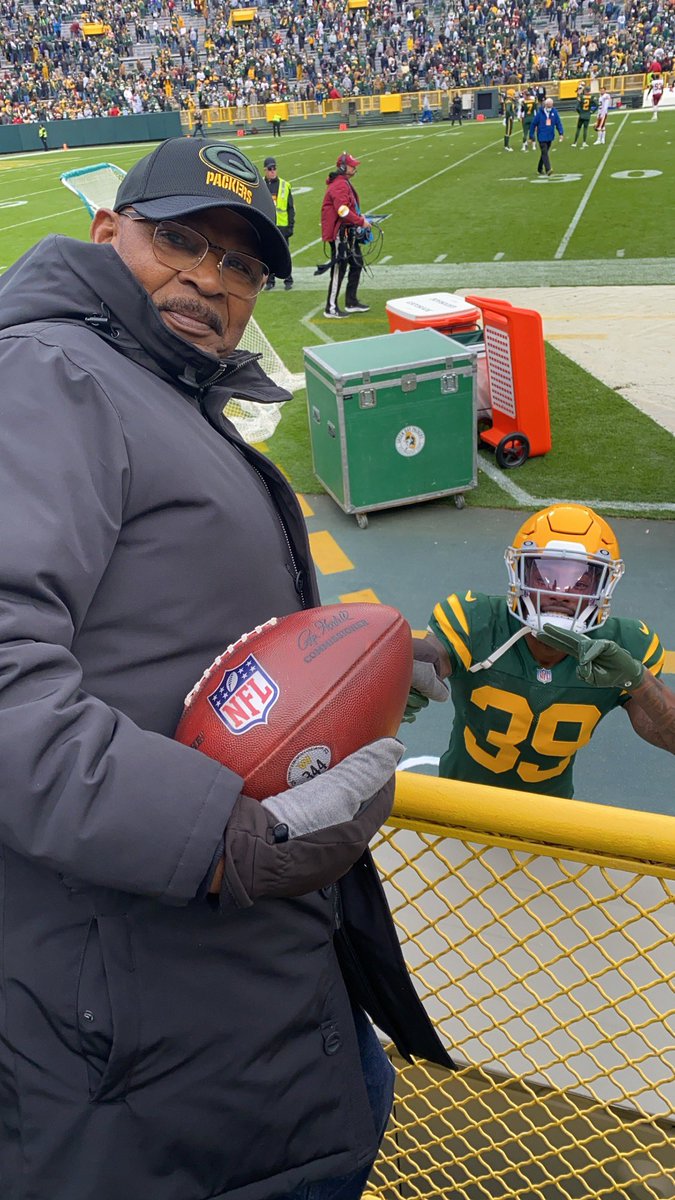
(228, 169)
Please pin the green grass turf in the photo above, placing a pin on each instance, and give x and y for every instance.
(603, 447)
(449, 191)
(452, 192)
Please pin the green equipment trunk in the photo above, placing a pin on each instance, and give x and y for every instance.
(392, 419)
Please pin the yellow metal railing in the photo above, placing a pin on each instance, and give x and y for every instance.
(406, 102)
(540, 933)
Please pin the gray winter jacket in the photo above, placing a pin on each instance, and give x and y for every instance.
(152, 1047)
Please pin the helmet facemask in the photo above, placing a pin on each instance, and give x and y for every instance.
(561, 584)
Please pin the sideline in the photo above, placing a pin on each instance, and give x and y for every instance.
(501, 478)
(587, 194)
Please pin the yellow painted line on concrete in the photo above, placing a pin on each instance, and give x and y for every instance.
(327, 555)
(305, 508)
(365, 596)
(669, 663)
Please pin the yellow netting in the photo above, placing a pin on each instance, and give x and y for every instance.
(550, 977)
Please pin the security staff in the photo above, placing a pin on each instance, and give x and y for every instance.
(198, 130)
(543, 126)
(280, 191)
(42, 134)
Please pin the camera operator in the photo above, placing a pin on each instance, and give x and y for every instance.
(343, 227)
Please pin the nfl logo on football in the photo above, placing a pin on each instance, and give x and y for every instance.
(544, 675)
(245, 696)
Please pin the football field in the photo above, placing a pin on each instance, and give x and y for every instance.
(461, 213)
(453, 196)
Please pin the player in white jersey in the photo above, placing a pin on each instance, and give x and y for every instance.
(604, 105)
(656, 90)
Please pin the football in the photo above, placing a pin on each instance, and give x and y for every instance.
(299, 693)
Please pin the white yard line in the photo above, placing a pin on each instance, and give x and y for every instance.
(46, 217)
(435, 276)
(589, 191)
(376, 205)
(308, 322)
(507, 484)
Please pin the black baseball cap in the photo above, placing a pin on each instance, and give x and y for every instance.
(186, 175)
(269, 163)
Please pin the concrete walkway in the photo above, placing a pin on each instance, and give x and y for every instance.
(625, 336)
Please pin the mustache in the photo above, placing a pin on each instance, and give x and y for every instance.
(194, 308)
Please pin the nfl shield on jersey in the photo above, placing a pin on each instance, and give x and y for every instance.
(245, 696)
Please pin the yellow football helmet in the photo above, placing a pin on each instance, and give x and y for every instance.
(563, 567)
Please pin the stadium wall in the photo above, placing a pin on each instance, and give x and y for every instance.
(97, 131)
(402, 107)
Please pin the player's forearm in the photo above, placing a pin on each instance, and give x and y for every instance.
(444, 663)
(652, 712)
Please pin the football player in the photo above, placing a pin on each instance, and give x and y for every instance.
(532, 673)
(509, 114)
(604, 105)
(528, 106)
(655, 90)
(585, 107)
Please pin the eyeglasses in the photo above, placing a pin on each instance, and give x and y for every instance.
(183, 248)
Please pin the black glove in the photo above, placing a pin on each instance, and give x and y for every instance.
(309, 836)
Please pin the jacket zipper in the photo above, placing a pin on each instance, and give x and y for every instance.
(297, 574)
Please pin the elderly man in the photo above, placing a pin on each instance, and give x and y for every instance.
(543, 126)
(183, 983)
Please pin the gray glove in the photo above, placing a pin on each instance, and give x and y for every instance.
(426, 683)
(339, 794)
(310, 836)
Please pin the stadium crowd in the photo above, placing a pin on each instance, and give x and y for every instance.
(150, 55)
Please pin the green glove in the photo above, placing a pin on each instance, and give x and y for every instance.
(601, 663)
(425, 686)
(416, 702)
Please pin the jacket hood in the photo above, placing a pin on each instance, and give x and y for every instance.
(61, 279)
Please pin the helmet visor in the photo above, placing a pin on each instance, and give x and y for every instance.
(563, 575)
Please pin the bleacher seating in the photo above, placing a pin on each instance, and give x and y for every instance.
(123, 56)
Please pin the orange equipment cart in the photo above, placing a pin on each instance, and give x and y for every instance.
(516, 366)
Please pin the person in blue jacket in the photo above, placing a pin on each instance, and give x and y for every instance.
(543, 126)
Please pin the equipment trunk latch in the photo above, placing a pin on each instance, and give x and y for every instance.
(367, 396)
(408, 383)
(449, 384)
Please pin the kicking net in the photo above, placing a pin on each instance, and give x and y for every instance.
(96, 187)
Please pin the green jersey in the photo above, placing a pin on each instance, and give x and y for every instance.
(585, 106)
(518, 724)
(528, 109)
(509, 110)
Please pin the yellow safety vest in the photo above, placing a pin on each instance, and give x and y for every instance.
(281, 202)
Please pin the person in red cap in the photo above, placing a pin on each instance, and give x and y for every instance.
(341, 217)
